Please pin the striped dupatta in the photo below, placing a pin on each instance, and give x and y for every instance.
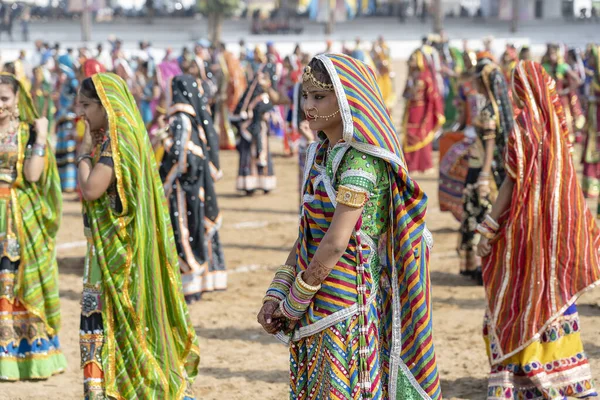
(369, 129)
(38, 214)
(151, 346)
(547, 251)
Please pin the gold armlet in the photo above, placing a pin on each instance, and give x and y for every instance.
(351, 198)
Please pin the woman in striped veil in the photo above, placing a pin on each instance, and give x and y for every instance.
(30, 206)
(136, 337)
(355, 330)
(540, 247)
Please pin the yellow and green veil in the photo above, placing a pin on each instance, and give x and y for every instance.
(38, 212)
(151, 347)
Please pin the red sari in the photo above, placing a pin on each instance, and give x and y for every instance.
(544, 257)
(423, 117)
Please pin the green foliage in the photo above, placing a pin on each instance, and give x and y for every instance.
(225, 8)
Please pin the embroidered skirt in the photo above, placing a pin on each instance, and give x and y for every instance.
(26, 349)
(553, 367)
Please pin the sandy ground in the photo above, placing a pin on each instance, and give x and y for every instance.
(239, 361)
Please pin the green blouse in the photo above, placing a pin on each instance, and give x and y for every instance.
(366, 173)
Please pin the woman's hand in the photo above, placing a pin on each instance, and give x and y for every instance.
(264, 81)
(41, 129)
(483, 188)
(87, 143)
(484, 248)
(266, 317)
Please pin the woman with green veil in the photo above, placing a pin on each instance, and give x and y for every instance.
(136, 337)
(30, 206)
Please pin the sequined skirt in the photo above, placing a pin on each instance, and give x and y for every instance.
(552, 367)
(26, 349)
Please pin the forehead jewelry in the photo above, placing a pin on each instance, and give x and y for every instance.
(313, 113)
(308, 77)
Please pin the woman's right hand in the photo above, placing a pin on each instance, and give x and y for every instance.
(265, 318)
(483, 188)
(87, 144)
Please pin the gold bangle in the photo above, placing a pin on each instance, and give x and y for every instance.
(305, 285)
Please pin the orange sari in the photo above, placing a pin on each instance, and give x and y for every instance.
(544, 257)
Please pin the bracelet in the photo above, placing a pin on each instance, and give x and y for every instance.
(282, 282)
(298, 299)
(492, 222)
(83, 157)
(485, 232)
(39, 150)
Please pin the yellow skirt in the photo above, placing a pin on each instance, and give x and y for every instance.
(553, 367)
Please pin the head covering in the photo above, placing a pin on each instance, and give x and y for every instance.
(150, 338)
(496, 88)
(368, 128)
(533, 275)
(165, 72)
(185, 94)
(91, 67)
(189, 96)
(38, 212)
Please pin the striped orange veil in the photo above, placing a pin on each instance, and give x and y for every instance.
(546, 253)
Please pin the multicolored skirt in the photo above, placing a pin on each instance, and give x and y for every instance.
(553, 367)
(27, 351)
(65, 155)
(94, 357)
(325, 366)
(255, 168)
(453, 173)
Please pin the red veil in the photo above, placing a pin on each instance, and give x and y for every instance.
(547, 252)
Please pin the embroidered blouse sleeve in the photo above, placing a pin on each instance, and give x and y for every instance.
(356, 177)
(106, 157)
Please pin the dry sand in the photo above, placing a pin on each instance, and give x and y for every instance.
(239, 360)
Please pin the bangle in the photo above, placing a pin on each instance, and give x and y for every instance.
(491, 222)
(306, 286)
(83, 157)
(481, 229)
(282, 282)
(39, 150)
(298, 299)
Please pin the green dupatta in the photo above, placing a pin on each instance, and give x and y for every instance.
(37, 214)
(151, 347)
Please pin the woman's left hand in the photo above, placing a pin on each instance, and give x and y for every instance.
(484, 248)
(41, 129)
(87, 143)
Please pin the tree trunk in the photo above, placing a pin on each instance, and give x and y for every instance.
(438, 16)
(515, 16)
(216, 28)
(150, 9)
(331, 19)
(86, 22)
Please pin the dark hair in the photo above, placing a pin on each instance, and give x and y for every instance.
(10, 81)
(319, 71)
(9, 67)
(89, 90)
